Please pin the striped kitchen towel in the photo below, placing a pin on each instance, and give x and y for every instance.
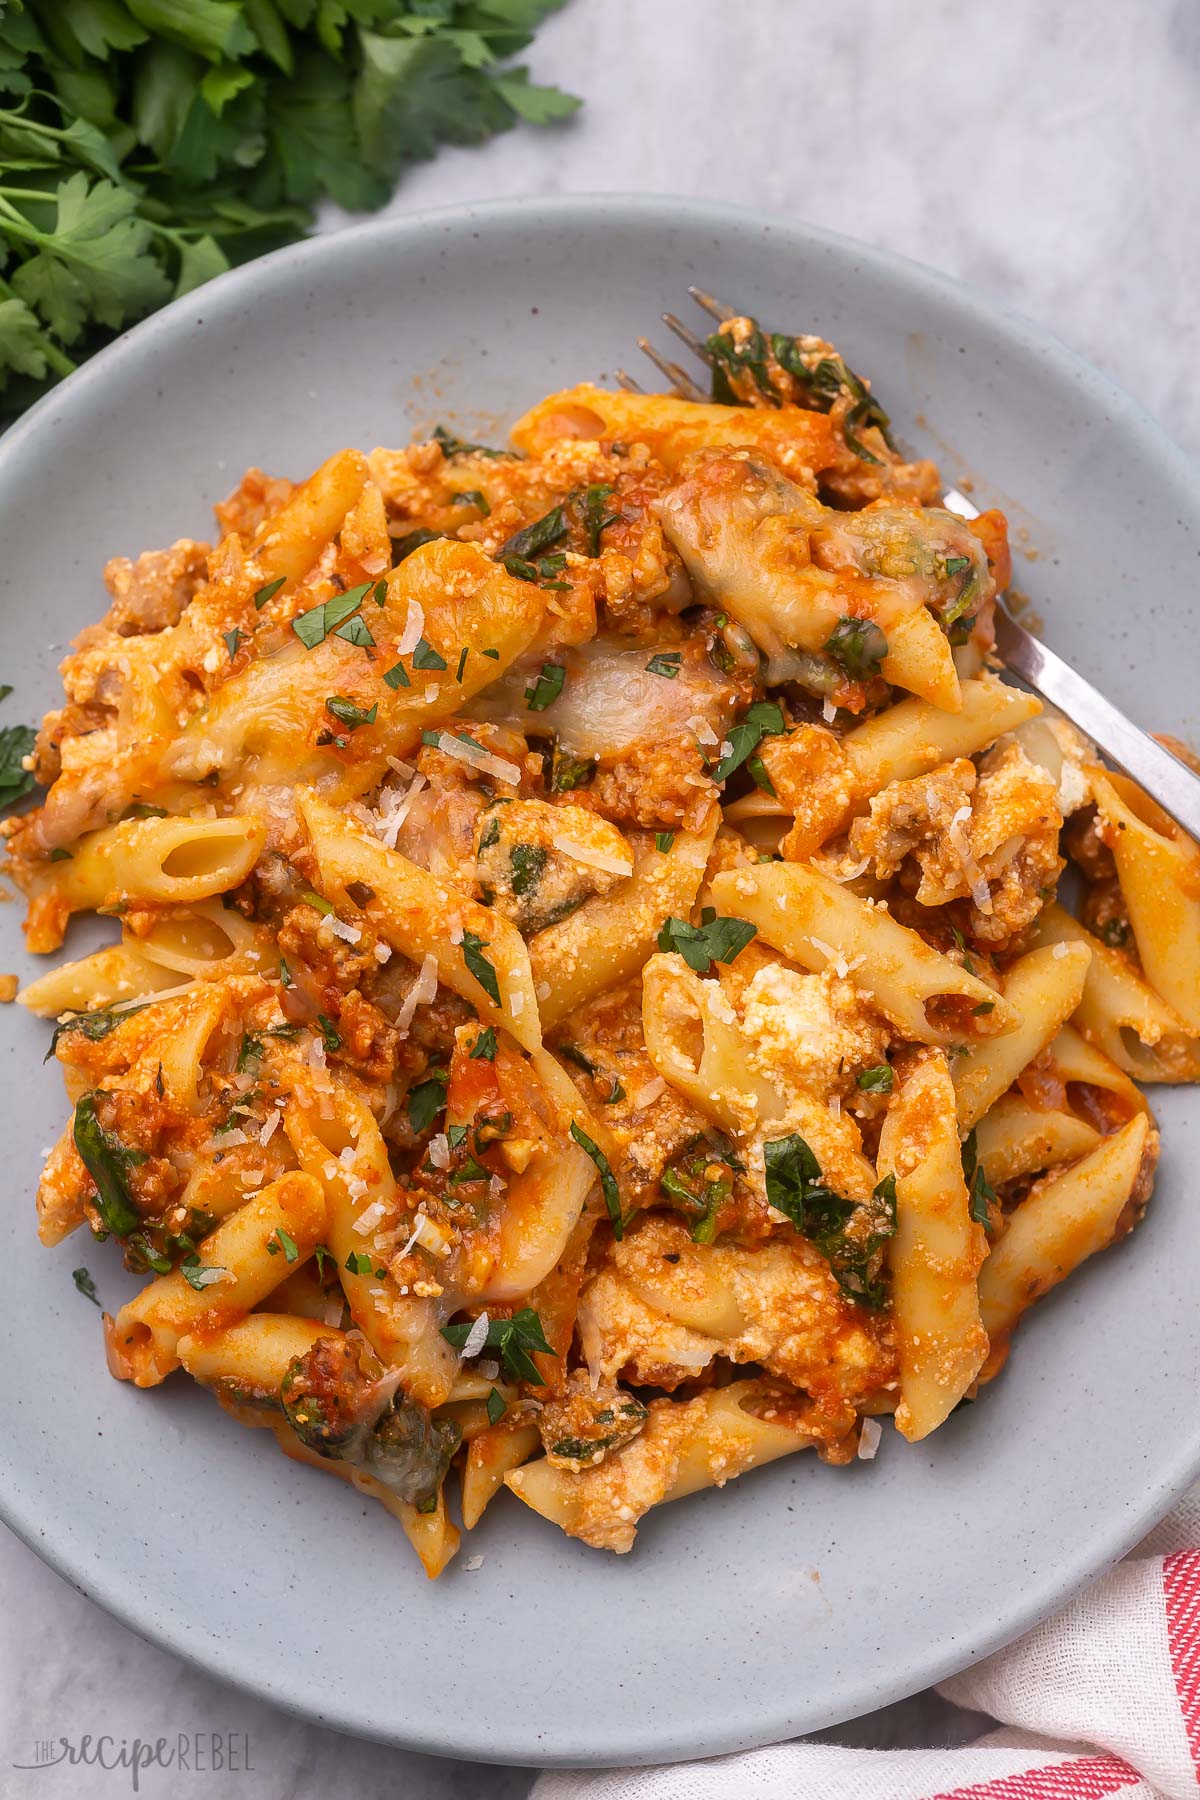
(1103, 1698)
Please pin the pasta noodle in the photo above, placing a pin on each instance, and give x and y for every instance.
(592, 1012)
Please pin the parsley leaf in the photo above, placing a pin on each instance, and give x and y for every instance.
(546, 688)
(713, 940)
(87, 1288)
(665, 663)
(850, 1234)
(608, 1181)
(858, 646)
(349, 713)
(315, 625)
(473, 947)
(484, 1047)
(108, 1162)
(497, 1406)
(876, 1081)
(763, 719)
(426, 657)
(16, 743)
(516, 1339)
(426, 1100)
(268, 591)
(663, 841)
(979, 1189)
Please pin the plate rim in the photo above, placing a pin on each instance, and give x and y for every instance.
(658, 1738)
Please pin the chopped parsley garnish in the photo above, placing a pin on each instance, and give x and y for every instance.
(314, 626)
(285, 974)
(595, 518)
(757, 771)
(534, 540)
(850, 1234)
(543, 571)
(484, 1047)
(282, 1240)
(663, 841)
(456, 446)
(546, 688)
(473, 947)
(608, 1181)
(268, 591)
(358, 1262)
(356, 631)
(426, 657)
(979, 1189)
(456, 1136)
(878, 1080)
(108, 1162)
(426, 1100)
(497, 1406)
(330, 1034)
(462, 662)
(763, 719)
(87, 1287)
(567, 772)
(16, 743)
(573, 1054)
(665, 663)
(316, 901)
(528, 865)
(397, 676)
(472, 497)
(516, 1339)
(94, 1025)
(349, 713)
(403, 547)
(713, 940)
(323, 1255)
(232, 640)
(618, 1093)
(200, 1275)
(858, 647)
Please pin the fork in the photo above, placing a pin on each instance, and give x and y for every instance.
(1164, 777)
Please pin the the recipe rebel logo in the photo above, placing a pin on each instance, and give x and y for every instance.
(188, 1753)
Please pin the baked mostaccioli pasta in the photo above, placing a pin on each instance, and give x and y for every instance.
(591, 1008)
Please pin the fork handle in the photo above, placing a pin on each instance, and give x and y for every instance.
(1165, 778)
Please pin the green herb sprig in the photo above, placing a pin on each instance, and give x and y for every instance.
(148, 145)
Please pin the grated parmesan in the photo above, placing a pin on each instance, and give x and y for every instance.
(421, 993)
(476, 1337)
(981, 894)
(703, 730)
(828, 710)
(592, 858)
(439, 1151)
(868, 1439)
(269, 1129)
(414, 627)
(472, 1563)
(369, 1218)
(652, 1091)
(349, 934)
(1060, 950)
(480, 759)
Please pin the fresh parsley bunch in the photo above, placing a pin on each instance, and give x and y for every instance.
(146, 145)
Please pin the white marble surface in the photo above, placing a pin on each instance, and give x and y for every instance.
(1045, 150)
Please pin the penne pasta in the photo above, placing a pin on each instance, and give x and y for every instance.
(1067, 1217)
(589, 955)
(936, 1253)
(817, 923)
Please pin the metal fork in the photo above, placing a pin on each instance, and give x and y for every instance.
(1168, 780)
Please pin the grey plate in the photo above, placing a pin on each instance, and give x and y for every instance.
(800, 1595)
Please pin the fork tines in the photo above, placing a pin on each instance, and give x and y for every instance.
(681, 382)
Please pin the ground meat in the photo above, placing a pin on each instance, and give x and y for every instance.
(151, 593)
(966, 833)
(582, 1424)
(656, 785)
(256, 497)
(1085, 845)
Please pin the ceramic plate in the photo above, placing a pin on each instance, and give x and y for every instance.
(800, 1595)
